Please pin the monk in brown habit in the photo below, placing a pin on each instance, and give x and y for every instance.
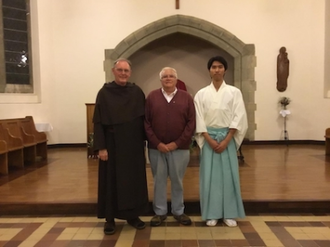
(119, 138)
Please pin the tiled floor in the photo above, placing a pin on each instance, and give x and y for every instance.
(271, 231)
(285, 191)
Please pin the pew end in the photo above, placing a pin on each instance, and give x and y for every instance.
(3, 158)
(20, 143)
(40, 138)
(327, 141)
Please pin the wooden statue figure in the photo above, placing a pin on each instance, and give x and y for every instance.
(282, 70)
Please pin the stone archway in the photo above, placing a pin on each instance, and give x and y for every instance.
(243, 54)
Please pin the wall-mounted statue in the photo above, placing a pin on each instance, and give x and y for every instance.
(282, 70)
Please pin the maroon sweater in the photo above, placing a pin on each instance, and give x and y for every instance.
(170, 122)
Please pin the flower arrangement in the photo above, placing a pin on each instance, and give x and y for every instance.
(284, 101)
(90, 142)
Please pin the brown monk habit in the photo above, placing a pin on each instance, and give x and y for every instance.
(118, 127)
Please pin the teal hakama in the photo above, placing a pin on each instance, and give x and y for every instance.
(220, 194)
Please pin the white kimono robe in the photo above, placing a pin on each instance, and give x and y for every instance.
(216, 112)
(220, 109)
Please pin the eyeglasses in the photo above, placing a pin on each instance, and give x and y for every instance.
(168, 76)
(122, 70)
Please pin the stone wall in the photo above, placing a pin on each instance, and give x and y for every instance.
(243, 54)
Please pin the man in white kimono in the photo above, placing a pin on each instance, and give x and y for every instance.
(221, 125)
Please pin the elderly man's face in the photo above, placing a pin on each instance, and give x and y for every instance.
(122, 72)
(168, 80)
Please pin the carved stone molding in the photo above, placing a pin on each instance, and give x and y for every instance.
(243, 54)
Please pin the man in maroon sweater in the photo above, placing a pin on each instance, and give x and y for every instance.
(170, 124)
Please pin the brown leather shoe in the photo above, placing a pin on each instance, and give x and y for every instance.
(183, 219)
(157, 220)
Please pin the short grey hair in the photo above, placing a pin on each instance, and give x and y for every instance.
(166, 68)
(122, 59)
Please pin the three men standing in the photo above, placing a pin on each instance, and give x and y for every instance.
(168, 119)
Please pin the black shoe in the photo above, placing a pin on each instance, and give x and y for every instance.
(109, 227)
(137, 223)
(183, 219)
(157, 220)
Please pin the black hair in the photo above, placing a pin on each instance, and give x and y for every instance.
(218, 59)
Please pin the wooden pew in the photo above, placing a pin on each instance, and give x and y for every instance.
(40, 138)
(14, 147)
(28, 140)
(327, 141)
(3, 157)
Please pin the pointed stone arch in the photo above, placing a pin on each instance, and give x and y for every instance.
(243, 54)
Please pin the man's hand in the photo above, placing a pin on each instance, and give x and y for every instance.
(103, 154)
(172, 146)
(213, 143)
(163, 148)
(220, 147)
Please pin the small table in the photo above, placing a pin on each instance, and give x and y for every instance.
(43, 127)
(285, 113)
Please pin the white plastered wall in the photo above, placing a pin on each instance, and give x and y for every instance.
(69, 39)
